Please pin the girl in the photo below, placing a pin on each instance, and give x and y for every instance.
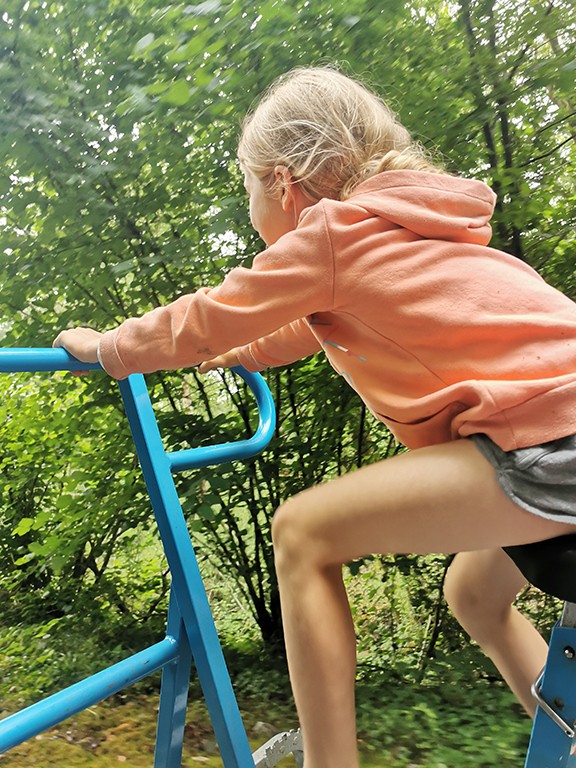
(381, 259)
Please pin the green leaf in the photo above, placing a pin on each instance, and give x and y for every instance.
(24, 526)
(178, 94)
(144, 42)
(205, 511)
(209, 6)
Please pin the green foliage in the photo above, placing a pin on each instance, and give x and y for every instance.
(56, 529)
(437, 724)
(118, 192)
(440, 726)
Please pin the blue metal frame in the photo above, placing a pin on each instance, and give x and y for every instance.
(550, 746)
(191, 633)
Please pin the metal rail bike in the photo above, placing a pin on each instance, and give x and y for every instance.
(190, 632)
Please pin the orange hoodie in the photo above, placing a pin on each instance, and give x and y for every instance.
(440, 335)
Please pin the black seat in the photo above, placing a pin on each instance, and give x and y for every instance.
(549, 565)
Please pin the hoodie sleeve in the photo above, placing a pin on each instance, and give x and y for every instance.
(286, 345)
(288, 281)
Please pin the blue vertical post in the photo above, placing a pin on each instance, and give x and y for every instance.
(173, 695)
(188, 587)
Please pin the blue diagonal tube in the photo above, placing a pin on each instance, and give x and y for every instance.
(36, 718)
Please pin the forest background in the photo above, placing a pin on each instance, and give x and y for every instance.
(119, 191)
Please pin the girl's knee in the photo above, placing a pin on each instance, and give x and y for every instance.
(297, 536)
(287, 533)
(460, 591)
(470, 593)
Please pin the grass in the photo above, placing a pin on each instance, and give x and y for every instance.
(401, 725)
(122, 732)
(457, 714)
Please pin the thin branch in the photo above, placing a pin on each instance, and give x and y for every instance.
(547, 154)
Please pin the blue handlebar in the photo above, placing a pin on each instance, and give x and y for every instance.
(193, 458)
(47, 359)
(41, 359)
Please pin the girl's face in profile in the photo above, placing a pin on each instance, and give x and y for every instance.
(266, 213)
(276, 213)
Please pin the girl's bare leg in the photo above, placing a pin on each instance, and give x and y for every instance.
(480, 589)
(439, 499)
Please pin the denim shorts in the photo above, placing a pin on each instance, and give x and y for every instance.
(541, 478)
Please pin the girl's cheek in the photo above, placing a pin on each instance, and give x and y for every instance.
(251, 214)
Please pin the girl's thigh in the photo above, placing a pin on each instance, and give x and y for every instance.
(444, 498)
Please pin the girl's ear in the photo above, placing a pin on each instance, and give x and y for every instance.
(285, 183)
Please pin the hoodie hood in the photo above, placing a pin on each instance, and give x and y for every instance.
(435, 206)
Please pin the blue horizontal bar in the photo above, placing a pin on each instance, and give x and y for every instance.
(36, 718)
(41, 359)
(193, 458)
(208, 455)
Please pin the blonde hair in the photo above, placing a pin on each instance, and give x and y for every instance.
(330, 131)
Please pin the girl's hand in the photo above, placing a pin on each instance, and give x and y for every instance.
(80, 342)
(227, 360)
